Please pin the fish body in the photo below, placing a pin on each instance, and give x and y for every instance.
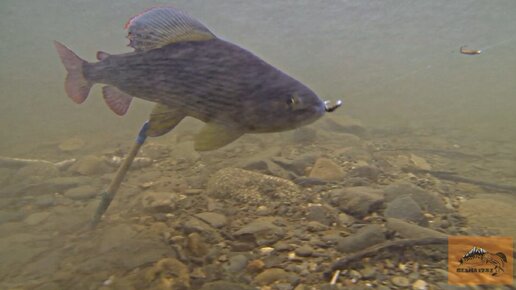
(188, 71)
(213, 81)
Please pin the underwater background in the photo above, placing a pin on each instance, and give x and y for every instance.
(413, 108)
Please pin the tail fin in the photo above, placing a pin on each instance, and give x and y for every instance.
(77, 87)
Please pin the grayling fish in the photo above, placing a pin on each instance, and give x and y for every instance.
(184, 68)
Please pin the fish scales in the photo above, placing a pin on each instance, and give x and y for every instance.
(214, 76)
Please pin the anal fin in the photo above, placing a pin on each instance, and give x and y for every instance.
(116, 100)
(163, 119)
(213, 136)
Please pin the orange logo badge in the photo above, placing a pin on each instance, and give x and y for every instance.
(480, 260)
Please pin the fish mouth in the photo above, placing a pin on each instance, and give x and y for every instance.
(328, 107)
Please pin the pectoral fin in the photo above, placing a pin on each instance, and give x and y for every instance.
(163, 119)
(213, 136)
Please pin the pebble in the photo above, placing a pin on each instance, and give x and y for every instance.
(90, 165)
(225, 285)
(420, 285)
(321, 213)
(412, 231)
(36, 218)
(272, 275)
(400, 281)
(427, 201)
(44, 201)
(237, 263)
(266, 250)
(82, 192)
(214, 219)
(159, 201)
(368, 272)
(365, 171)
(196, 245)
(365, 237)
(326, 169)
(250, 187)
(255, 266)
(263, 230)
(304, 251)
(405, 208)
(71, 144)
(357, 201)
(10, 216)
(36, 172)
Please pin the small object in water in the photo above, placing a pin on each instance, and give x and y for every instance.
(464, 50)
(138, 162)
(182, 66)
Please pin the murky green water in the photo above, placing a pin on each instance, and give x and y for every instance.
(395, 64)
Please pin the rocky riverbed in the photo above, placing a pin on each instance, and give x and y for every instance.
(263, 213)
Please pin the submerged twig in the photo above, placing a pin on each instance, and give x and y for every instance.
(397, 244)
(441, 152)
(16, 163)
(452, 176)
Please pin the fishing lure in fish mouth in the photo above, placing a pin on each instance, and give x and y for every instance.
(330, 108)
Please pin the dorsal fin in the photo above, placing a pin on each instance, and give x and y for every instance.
(158, 27)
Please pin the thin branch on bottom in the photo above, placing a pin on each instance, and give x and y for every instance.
(344, 262)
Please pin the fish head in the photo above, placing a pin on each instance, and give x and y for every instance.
(287, 109)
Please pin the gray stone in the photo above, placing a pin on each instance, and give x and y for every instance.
(304, 251)
(10, 216)
(196, 245)
(326, 169)
(412, 231)
(250, 187)
(159, 201)
(357, 201)
(262, 230)
(346, 219)
(237, 263)
(298, 165)
(225, 285)
(365, 171)
(265, 166)
(272, 275)
(36, 218)
(44, 201)
(322, 214)
(82, 192)
(400, 281)
(365, 237)
(36, 172)
(427, 201)
(90, 165)
(405, 208)
(216, 220)
(368, 272)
